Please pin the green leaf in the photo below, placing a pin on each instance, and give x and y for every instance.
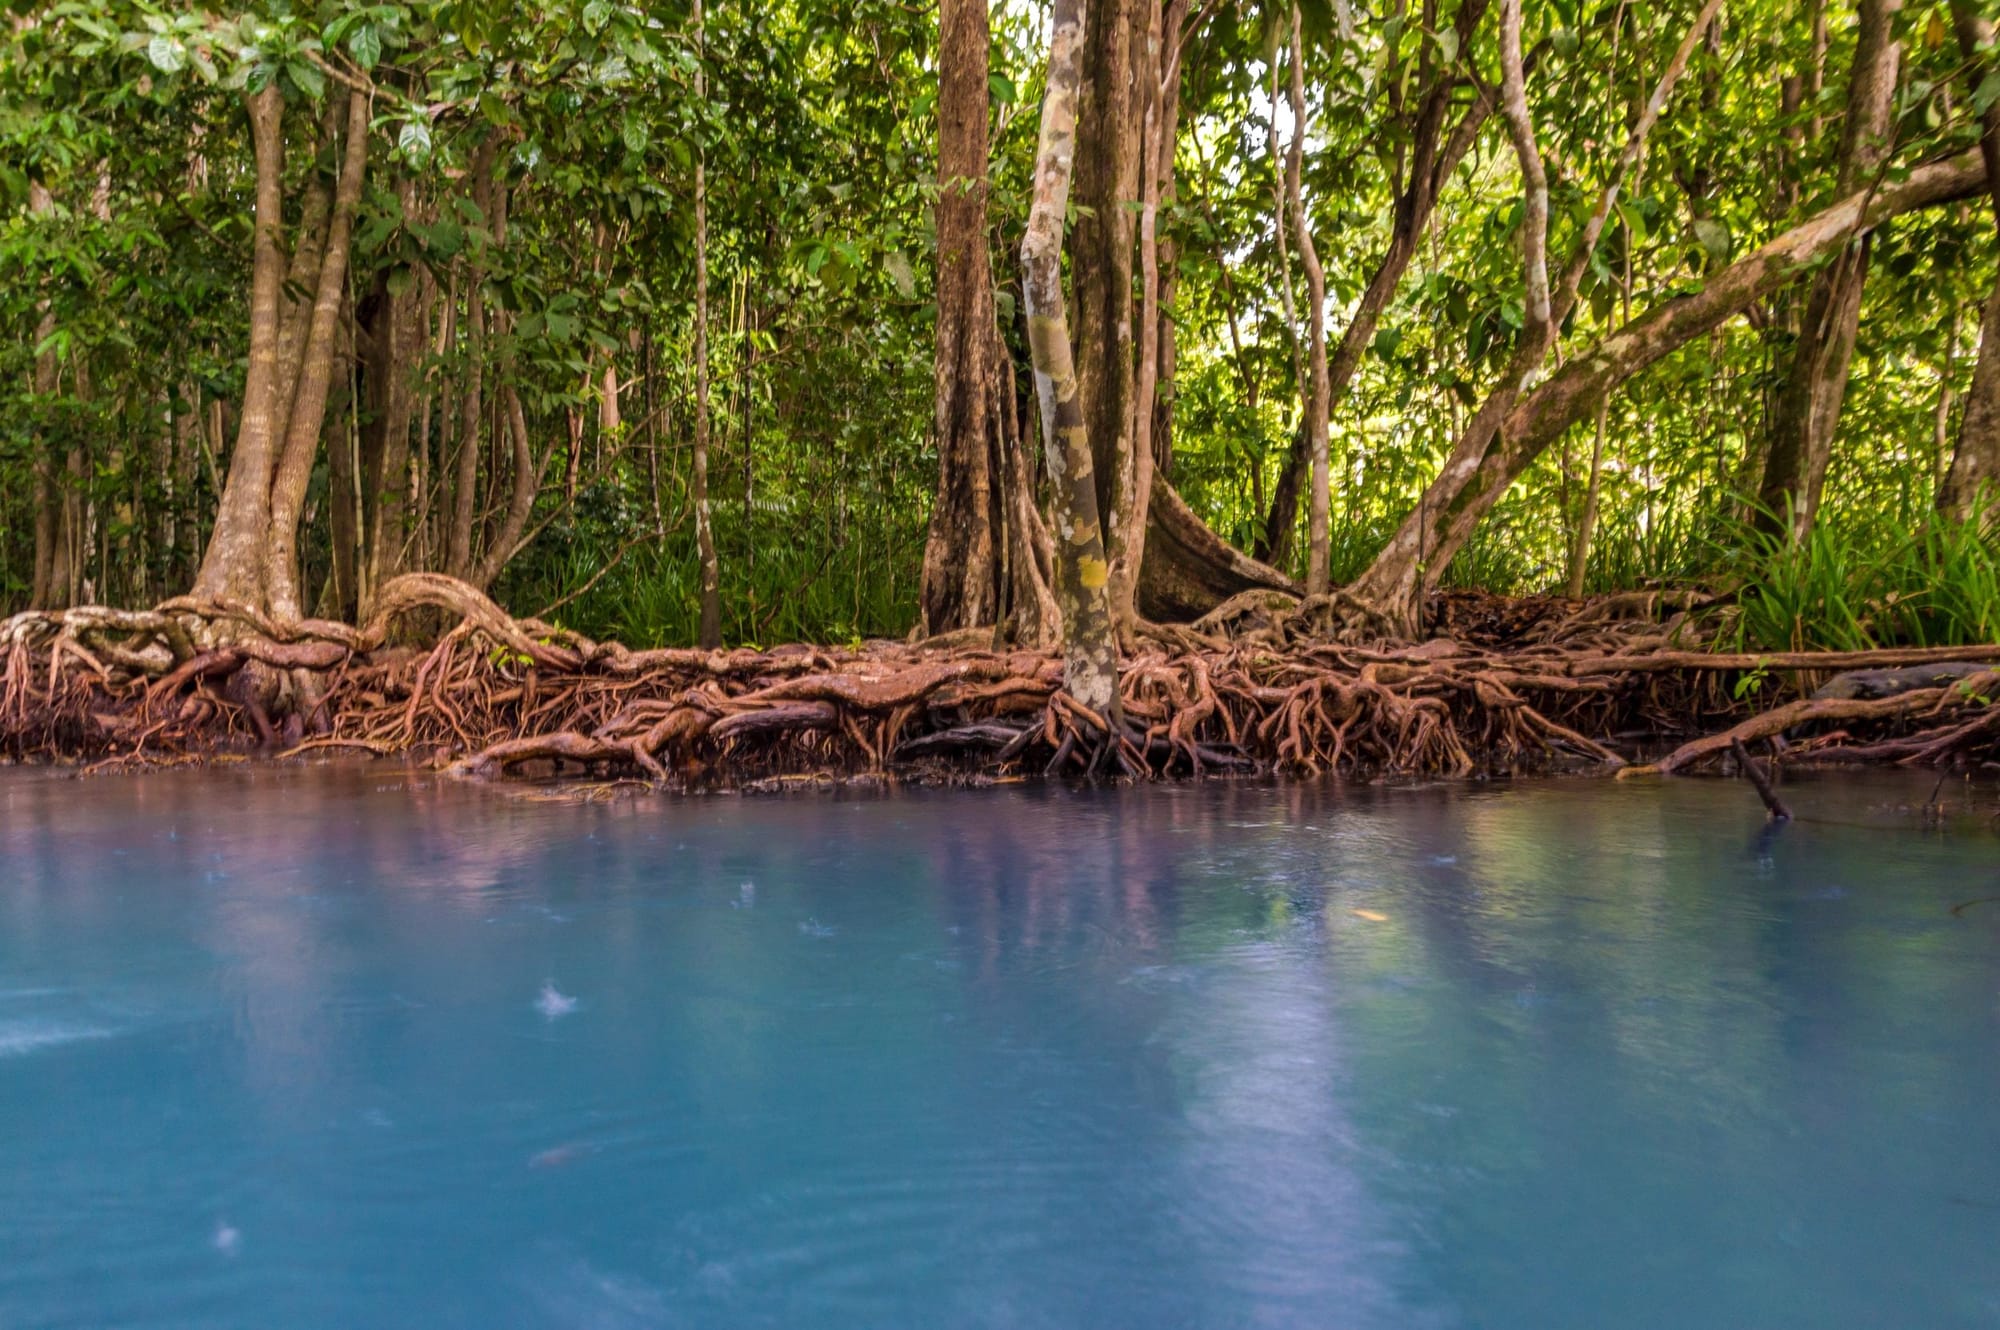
(1714, 238)
(168, 56)
(413, 140)
(306, 79)
(366, 45)
(634, 133)
(1002, 89)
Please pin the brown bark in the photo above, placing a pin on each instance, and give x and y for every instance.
(1090, 645)
(315, 374)
(1189, 570)
(1808, 406)
(704, 526)
(471, 427)
(1108, 131)
(233, 567)
(393, 346)
(525, 477)
(1975, 461)
(49, 588)
(1319, 399)
(962, 576)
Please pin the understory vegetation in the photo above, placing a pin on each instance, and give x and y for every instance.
(651, 320)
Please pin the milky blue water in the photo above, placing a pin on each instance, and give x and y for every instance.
(324, 1048)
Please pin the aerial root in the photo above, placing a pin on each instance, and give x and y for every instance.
(1246, 691)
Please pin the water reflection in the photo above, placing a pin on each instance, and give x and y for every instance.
(1230, 1055)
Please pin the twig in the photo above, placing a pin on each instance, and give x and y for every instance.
(1773, 805)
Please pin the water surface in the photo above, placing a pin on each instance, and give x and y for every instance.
(328, 1047)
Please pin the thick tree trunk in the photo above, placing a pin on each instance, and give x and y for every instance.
(1189, 570)
(1107, 147)
(1808, 407)
(962, 574)
(1090, 644)
(1975, 462)
(704, 526)
(393, 347)
(1319, 399)
(233, 567)
(315, 376)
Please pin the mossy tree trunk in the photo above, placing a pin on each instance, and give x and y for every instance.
(1090, 643)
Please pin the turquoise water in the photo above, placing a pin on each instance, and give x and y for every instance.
(328, 1048)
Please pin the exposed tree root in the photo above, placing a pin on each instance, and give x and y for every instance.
(1251, 688)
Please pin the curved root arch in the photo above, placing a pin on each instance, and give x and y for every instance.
(1258, 685)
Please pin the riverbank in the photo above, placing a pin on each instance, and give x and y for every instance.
(1262, 686)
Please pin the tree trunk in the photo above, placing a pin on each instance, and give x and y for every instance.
(525, 484)
(962, 576)
(1434, 157)
(233, 567)
(1477, 473)
(49, 588)
(1160, 61)
(471, 429)
(704, 527)
(1975, 462)
(1318, 402)
(394, 345)
(1454, 504)
(1586, 522)
(1090, 644)
(1101, 249)
(1808, 406)
(315, 375)
(340, 597)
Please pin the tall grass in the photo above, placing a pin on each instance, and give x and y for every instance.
(1852, 587)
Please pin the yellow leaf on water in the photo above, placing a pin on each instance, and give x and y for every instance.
(1372, 916)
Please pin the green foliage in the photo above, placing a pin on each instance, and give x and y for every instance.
(1852, 587)
(127, 293)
